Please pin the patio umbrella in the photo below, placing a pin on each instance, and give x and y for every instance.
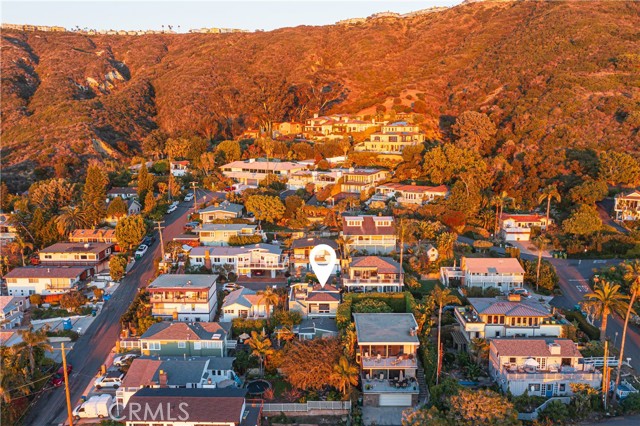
(244, 336)
(530, 362)
(401, 376)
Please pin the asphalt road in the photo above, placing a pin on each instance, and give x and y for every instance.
(94, 346)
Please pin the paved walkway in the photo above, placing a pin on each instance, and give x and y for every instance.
(617, 421)
(382, 416)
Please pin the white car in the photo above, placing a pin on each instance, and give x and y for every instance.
(172, 209)
(142, 249)
(110, 380)
(175, 203)
(231, 287)
(522, 292)
(188, 197)
(121, 360)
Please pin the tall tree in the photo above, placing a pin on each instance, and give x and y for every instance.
(71, 218)
(541, 243)
(268, 298)
(260, 347)
(632, 276)
(441, 298)
(265, 207)
(34, 342)
(117, 208)
(130, 231)
(607, 299)
(475, 131)
(345, 375)
(94, 194)
(549, 194)
(500, 200)
(145, 182)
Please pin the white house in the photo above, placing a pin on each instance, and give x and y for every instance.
(410, 194)
(221, 211)
(542, 367)
(179, 168)
(627, 206)
(374, 274)
(251, 172)
(503, 274)
(243, 303)
(44, 280)
(183, 297)
(252, 260)
(517, 227)
(314, 301)
(94, 256)
(219, 234)
(375, 234)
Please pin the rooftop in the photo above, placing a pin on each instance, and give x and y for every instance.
(367, 225)
(534, 347)
(168, 330)
(384, 265)
(183, 281)
(234, 251)
(76, 248)
(312, 242)
(441, 189)
(491, 266)
(386, 328)
(46, 272)
(501, 306)
(223, 207)
(224, 227)
(265, 166)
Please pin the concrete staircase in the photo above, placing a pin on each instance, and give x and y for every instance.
(423, 396)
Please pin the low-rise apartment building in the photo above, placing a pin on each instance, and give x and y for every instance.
(180, 339)
(409, 194)
(94, 256)
(44, 280)
(219, 234)
(183, 297)
(503, 274)
(541, 367)
(375, 234)
(251, 260)
(251, 172)
(627, 206)
(387, 352)
(374, 274)
(314, 300)
(511, 316)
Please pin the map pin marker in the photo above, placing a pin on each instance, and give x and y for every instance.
(322, 259)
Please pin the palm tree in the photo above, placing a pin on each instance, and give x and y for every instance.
(260, 347)
(485, 217)
(345, 375)
(33, 341)
(344, 242)
(607, 299)
(480, 348)
(541, 242)
(22, 245)
(500, 200)
(71, 218)
(269, 298)
(632, 275)
(441, 298)
(548, 194)
(422, 313)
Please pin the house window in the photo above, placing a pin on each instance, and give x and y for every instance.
(47, 256)
(33, 280)
(512, 360)
(323, 308)
(562, 387)
(197, 345)
(153, 346)
(182, 345)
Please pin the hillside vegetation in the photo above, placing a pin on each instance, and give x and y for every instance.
(550, 75)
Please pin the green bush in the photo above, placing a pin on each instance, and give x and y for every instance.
(592, 332)
(371, 306)
(243, 240)
(244, 325)
(631, 404)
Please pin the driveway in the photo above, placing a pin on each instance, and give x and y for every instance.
(382, 416)
(95, 345)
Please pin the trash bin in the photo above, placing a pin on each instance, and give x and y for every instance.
(93, 313)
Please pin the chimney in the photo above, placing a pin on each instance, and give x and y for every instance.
(162, 379)
(514, 297)
(554, 349)
(315, 115)
(87, 245)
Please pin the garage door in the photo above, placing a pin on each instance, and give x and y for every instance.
(395, 400)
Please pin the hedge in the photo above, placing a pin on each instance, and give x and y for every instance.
(242, 240)
(592, 332)
(399, 303)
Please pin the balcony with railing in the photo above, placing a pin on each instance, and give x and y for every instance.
(164, 298)
(262, 265)
(373, 281)
(581, 372)
(381, 384)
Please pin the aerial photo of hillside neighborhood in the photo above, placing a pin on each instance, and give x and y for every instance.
(320, 213)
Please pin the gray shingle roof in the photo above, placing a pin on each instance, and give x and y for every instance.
(385, 328)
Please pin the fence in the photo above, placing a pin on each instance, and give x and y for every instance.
(310, 405)
(534, 415)
(611, 361)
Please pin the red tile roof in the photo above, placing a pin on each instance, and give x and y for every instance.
(317, 296)
(533, 217)
(384, 265)
(534, 347)
(46, 272)
(368, 226)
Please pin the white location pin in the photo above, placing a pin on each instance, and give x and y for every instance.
(322, 259)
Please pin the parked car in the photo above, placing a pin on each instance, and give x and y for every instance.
(188, 197)
(175, 203)
(141, 251)
(112, 379)
(96, 406)
(231, 287)
(172, 209)
(230, 188)
(191, 225)
(522, 292)
(58, 379)
(121, 360)
(149, 240)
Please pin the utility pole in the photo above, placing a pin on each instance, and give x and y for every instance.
(195, 197)
(605, 376)
(160, 228)
(66, 384)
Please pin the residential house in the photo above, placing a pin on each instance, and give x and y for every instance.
(360, 181)
(387, 353)
(133, 207)
(393, 138)
(100, 235)
(517, 227)
(511, 316)
(221, 211)
(301, 248)
(9, 338)
(375, 234)
(124, 192)
(7, 230)
(316, 328)
(243, 303)
(410, 194)
(94, 256)
(374, 274)
(184, 297)
(180, 339)
(12, 310)
(432, 253)
(503, 274)
(627, 206)
(251, 260)
(193, 372)
(251, 172)
(219, 234)
(541, 367)
(179, 168)
(287, 128)
(44, 280)
(191, 407)
(314, 300)
(318, 178)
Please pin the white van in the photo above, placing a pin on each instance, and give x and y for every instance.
(96, 406)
